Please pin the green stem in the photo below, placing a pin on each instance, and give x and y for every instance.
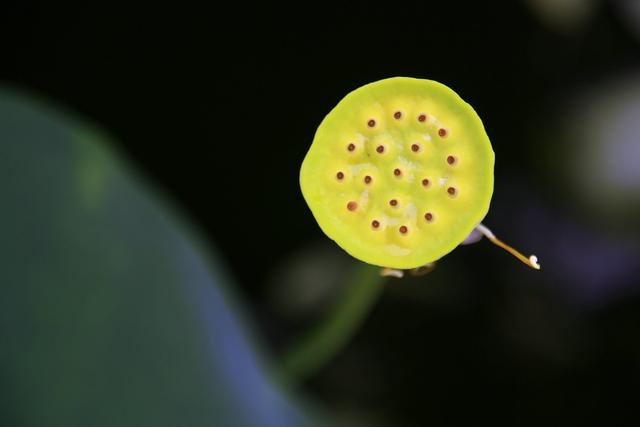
(334, 331)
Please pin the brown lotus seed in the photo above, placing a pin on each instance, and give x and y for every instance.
(367, 179)
(415, 148)
(451, 160)
(393, 202)
(403, 229)
(352, 206)
(380, 149)
(425, 182)
(451, 191)
(351, 147)
(397, 115)
(422, 117)
(339, 175)
(375, 223)
(371, 123)
(442, 132)
(428, 216)
(397, 172)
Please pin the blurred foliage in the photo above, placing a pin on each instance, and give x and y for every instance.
(601, 130)
(564, 15)
(112, 312)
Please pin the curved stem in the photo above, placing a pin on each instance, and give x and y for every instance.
(334, 331)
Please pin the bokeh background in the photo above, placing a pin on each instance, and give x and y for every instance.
(159, 259)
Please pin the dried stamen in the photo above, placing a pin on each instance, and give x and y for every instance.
(532, 261)
(422, 270)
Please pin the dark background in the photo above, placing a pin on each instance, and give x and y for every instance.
(219, 107)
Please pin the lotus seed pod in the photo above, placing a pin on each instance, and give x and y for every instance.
(399, 172)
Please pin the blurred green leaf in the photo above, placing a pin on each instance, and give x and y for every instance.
(111, 312)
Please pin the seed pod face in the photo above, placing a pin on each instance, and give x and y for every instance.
(415, 167)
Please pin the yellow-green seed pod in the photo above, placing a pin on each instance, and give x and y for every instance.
(399, 172)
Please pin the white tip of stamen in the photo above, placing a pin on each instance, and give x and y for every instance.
(391, 272)
(485, 230)
(534, 262)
